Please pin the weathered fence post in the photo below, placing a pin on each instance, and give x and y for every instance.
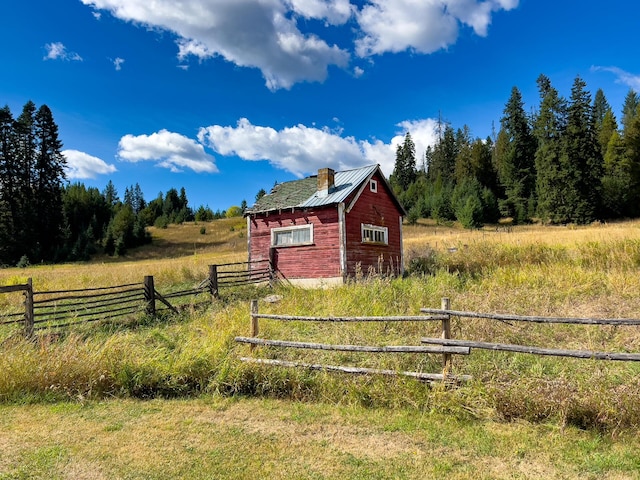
(446, 333)
(254, 321)
(213, 281)
(29, 317)
(150, 295)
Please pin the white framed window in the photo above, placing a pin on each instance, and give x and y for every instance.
(291, 236)
(373, 185)
(375, 234)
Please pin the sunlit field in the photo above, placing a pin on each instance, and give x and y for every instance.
(168, 397)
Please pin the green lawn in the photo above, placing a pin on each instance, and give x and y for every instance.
(212, 437)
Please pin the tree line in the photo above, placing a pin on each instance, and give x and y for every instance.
(567, 162)
(44, 218)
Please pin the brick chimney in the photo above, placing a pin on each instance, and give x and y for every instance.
(326, 181)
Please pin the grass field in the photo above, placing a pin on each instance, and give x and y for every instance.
(167, 398)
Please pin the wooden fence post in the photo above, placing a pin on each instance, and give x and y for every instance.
(254, 321)
(29, 318)
(213, 281)
(150, 295)
(272, 274)
(446, 333)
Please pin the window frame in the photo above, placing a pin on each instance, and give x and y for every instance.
(373, 186)
(377, 230)
(276, 230)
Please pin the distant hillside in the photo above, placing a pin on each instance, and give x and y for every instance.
(224, 236)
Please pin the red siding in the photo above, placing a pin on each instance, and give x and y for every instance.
(375, 209)
(320, 260)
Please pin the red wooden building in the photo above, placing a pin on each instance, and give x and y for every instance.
(328, 227)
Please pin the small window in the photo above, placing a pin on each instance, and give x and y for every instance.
(373, 186)
(291, 236)
(375, 234)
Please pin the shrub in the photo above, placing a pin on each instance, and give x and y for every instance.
(161, 222)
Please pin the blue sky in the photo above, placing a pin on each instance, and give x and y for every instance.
(225, 97)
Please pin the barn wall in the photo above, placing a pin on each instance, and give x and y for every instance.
(320, 260)
(374, 209)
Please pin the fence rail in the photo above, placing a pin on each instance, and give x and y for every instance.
(535, 319)
(240, 273)
(449, 345)
(446, 351)
(63, 308)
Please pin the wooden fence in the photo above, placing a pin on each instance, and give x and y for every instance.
(240, 273)
(587, 354)
(445, 351)
(448, 346)
(65, 308)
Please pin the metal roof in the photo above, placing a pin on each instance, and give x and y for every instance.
(345, 184)
(304, 193)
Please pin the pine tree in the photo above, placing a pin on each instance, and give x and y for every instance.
(481, 158)
(582, 157)
(443, 158)
(49, 177)
(404, 172)
(111, 194)
(616, 182)
(7, 189)
(24, 211)
(600, 108)
(517, 169)
(549, 130)
(137, 199)
(463, 164)
(608, 126)
(629, 109)
(632, 161)
(261, 193)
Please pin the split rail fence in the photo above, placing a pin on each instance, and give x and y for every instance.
(444, 345)
(65, 308)
(445, 350)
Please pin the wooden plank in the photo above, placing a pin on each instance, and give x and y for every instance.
(357, 370)
(354, 348)
(163, 300)
(14, 288)
(51, 292)
(407, 318)
(535, 319)
(447, 360)
(632, 357)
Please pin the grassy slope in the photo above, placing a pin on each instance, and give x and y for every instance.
(365, 427)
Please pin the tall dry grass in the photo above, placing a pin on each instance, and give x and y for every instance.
(589, 271)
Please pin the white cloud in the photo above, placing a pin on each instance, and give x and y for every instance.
(302, 150)
(335, 12)
(57, 51)
(117, 63)
(424, 26)
(625, 78)
(82, 165)
(250, 33)
(276, 36)
(170, 150)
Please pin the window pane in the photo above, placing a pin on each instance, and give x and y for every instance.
(295, 236)
(373, 234)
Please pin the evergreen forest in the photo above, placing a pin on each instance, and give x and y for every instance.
(569, 161)
(44, 218)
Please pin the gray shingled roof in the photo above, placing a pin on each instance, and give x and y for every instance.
(304, 193)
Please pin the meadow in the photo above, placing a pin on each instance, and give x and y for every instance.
(167, 397)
